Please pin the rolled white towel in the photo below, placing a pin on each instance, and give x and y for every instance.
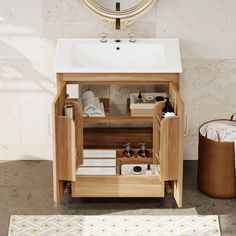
(101, 114)
(91, 103)
(92, 106)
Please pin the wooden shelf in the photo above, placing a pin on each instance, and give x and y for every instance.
(127, 119)
(120, 160)
(146, 160)
(115, 138)
(131, 161)
(117, 119)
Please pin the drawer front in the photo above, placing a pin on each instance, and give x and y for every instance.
(117, 186)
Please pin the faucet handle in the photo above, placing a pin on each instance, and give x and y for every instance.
(131, 34)
(103, 37)
(104, 34)
(132, 37)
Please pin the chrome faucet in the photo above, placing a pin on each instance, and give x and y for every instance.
(103, 37)
(132, 37)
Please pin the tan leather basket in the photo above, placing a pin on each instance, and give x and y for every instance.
(216, 165)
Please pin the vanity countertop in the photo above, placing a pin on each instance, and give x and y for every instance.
(146, 55)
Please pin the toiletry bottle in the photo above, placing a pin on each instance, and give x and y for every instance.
(149, 170)
(167, 108)
(128, 152)
(140, 98)
(69, 111)
(143, 152)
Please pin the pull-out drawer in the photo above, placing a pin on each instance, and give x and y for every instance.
(117, 186)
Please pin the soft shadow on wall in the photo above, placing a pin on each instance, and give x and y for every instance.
(27, 82)
(26, 85)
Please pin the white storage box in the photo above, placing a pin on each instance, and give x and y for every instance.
(127, 169)
(143, 109)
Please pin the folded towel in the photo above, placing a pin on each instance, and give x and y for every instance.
(223, 132)
(92, 105)
(94, 114)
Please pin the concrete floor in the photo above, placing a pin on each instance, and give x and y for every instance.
(26, 188)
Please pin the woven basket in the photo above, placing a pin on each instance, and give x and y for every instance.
(216, 164)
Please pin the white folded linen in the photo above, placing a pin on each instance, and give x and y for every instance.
(223, 132)
(98, 153)
(92, 106)
(94, 114)
(91, 103)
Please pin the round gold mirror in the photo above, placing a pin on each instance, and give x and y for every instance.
(119, 13)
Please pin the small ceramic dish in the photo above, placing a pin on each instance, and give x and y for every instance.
(137, 170)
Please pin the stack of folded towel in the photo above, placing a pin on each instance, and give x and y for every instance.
(92, 105)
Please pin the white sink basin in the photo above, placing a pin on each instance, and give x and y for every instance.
(143, 56)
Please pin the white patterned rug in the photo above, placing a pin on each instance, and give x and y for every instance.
(114, 225)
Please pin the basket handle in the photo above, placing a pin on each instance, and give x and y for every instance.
(232, 117)
(217, 133)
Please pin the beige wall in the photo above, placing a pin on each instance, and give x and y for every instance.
(28, 32)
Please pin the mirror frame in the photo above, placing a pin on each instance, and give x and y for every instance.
(126, 17)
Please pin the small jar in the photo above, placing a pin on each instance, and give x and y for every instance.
(137, 170)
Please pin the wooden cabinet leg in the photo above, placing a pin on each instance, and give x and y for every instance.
(58, 192)
(177, 189)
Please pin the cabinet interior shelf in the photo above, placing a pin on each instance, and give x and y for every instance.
(117, 119)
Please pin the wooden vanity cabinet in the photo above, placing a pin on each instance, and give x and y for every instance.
(70, 138)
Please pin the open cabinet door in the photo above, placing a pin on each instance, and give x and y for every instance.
(168, 143)
(68, 143)
(177, 186)
(65, 148)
